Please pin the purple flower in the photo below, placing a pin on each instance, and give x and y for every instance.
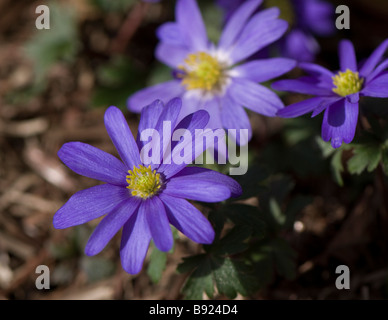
(338, 93)
(306, 18)
(213, 77)
(142, 199)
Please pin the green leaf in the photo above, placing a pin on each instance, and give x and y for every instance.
(157, 264)
(366, 156)
(247, 217)
(337, 167)
(384, 160)
(59, 43)
(200, 281)
(234, 241)
(117, 80)
(233, 277)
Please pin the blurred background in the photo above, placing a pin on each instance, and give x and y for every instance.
(55, 86)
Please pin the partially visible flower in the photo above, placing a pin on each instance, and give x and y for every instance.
(143, 199)
(338, 93)
(215, 78)
(306, 18)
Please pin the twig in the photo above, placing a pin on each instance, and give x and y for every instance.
(128, 28)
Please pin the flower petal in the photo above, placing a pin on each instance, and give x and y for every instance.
(171, 55)
(347, 56)
(234, 117)
(302, 107)
(237, 22)
(301, 86)
(374, 59)
(188, 219)
(148, 119)
(318, 16)
(135, 240)
(257, 34)
(299, 45)
(195, 121)
(191, 24)
(255, 97)
(198, 190)
(264, 70)
(378, 87)
(376, 72)
(339, 122)
(170, 33)
(163, 91)
(89, 204)
(122, 137)
(94, 163)
(110, 225)
(158, 223)
(203, 174)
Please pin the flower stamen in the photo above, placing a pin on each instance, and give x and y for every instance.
(143, 182)
(201, 71)
(347, 83)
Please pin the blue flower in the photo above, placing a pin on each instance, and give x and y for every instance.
(307, 19)
(213, 77)
(143, 199)
(338, 93)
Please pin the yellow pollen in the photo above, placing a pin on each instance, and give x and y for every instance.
(347, 83)
(201, 71)
(286, 9)
(143, 182)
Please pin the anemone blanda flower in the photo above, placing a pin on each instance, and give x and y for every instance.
(142, 199)
(306, 18)
(213, 77)
(338, 93)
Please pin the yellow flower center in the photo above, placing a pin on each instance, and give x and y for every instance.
(143, 182)
(286, 9)
(347, 83)
(202, 71)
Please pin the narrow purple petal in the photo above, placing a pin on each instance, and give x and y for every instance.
(347, 56)
(234, 117)
(376, 72)
(195, 121)
(339, 122)
(256, 35)
(237, 22)
(264, 70)
(299, 45)
(110, 225)
(191, 24)
(148, 119)
(203, 174)
(324, 105)
(162, 91)
(316, 70)
(170, 33)
(135, 240)
(198, 190)
(378, 87)
(318, 16)
(89, 204)
(255, 97)
(302, 107)
(171, 55)
(188, 219)
(374, 59)
(301, 86)
(158, 223)
(92, 162)
(122, 137)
